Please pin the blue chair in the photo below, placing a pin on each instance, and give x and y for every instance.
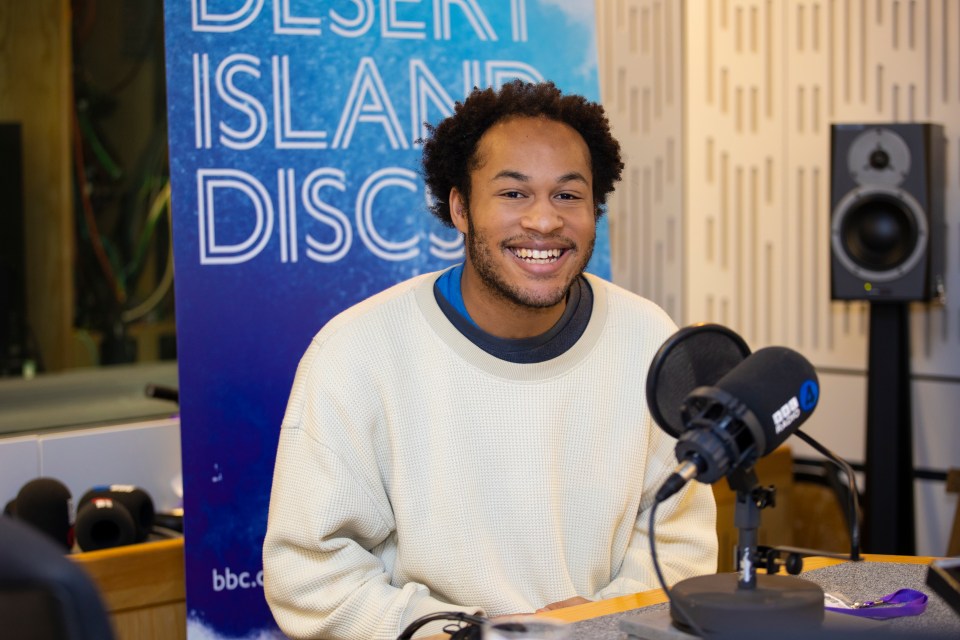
(43, 594)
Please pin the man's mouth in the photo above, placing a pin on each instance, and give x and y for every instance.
(537, 256)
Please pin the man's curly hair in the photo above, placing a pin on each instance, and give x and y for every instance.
(450, 151)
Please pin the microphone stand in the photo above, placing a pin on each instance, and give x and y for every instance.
(751, 498)
(735, 602)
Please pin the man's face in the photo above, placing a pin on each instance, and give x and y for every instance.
(529, 226)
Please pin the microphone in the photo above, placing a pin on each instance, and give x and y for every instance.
(113, 516)
(725, 423)
(45, 504)
(747, 414)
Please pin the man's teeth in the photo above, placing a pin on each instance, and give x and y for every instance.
(540, 256)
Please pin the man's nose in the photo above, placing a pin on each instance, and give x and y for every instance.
(542, 217)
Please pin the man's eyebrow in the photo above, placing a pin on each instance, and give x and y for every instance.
(512, 175)
(573, 176)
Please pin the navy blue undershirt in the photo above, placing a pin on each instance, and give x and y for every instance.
(550, 344)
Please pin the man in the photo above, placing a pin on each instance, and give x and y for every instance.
(477, 440)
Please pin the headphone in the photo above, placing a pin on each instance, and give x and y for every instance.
(113, 516)
(462, 626)
(45, 504)
(107, 516)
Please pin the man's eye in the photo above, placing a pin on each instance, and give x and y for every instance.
(512, 194)
(568, 196)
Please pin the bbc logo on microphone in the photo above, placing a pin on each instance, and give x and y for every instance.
(786, 415)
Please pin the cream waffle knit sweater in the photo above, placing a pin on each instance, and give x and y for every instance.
(417, 473)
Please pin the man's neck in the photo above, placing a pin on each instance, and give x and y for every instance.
(505, 318)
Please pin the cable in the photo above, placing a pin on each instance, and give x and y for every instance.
(87, 341)
(92, 228)
(663, 583)
(470, 628)
(96, 146)
(158, 294)
(854, 505)
(108, 200)
(161, 203)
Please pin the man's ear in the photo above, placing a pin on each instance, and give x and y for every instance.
(458, 210)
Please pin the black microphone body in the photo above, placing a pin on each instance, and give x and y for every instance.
(747, 414)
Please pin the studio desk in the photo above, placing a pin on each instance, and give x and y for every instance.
(872, 578)
(142, 585)
(656, 596)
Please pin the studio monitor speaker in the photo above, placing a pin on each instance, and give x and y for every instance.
(887, 226)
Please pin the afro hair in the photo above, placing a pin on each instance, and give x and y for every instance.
(449, 152)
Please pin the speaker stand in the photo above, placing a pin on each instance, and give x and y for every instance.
(888, 501)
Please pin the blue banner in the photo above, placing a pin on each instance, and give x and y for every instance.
(294, 159)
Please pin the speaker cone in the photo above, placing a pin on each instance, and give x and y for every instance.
(879, 232)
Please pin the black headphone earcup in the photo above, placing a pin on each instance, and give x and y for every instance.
(45, 503)
(137, 503)
(103, 523)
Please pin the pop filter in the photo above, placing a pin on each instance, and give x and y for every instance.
(695, 356)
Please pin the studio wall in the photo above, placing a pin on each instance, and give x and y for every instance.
(725, 109)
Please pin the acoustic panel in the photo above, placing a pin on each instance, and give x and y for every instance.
(764, 83)
(641, 62)
(727, 189)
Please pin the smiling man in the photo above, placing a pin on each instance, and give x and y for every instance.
(528, 225)
(477, 439)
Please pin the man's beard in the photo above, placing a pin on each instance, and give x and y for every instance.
(485, 264)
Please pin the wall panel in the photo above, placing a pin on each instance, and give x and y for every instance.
(641, 62)
(743, 225)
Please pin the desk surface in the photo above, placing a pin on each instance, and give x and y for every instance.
(159, 603)
(656, 596)
(622, 604)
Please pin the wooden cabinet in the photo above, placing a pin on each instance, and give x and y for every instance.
(142, 586)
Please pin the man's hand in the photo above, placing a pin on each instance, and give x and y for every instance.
(569, 602)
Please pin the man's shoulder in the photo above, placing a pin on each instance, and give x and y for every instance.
(374, 309)
(621, 299)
